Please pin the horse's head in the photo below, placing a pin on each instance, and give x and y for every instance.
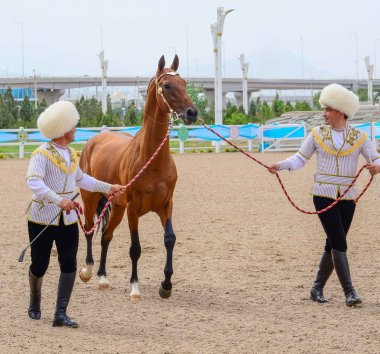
(172, 89)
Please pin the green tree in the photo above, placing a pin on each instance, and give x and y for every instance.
(27, 112)
(229, 110)
(109, 106)
(8, 110)
(90, 111)
(264, 112)
(110, 121)
(200, 101)
(41, 106)
(252, 110)
(316, 100)
(288, 107)
(131, 115)
(376, 96)
(11, 105)
(236, 118)
(302, 106)
(278, 106)
(363, 95)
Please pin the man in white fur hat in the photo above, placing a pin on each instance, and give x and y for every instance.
(338, 146)
(53, 176)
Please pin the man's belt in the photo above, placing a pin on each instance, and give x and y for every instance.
(333, 179)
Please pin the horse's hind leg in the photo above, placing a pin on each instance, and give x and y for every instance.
(90, 201)
(134, 251)
(117, 213)
(169, 241)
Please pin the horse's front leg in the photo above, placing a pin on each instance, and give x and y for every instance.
(102, 274)
(134, 252)
(169, 240)
(90, 200)
(116, 216)
(85, 273)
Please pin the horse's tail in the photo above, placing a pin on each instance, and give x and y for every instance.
(101, 204)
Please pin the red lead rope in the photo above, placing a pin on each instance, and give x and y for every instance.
(283, 187)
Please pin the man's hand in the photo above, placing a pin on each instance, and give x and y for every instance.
(67, 205)
(274, 167)
(373, 169)
(117, 190)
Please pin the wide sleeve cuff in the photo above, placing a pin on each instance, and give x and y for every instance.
(285, 165)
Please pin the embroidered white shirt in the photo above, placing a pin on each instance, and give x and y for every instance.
(337, 159)
(54, 174)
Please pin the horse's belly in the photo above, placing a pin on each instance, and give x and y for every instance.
(152, 198)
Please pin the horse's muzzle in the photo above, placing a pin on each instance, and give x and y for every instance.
(191, 115)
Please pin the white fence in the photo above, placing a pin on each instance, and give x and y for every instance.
(243, 134)
(266, 138)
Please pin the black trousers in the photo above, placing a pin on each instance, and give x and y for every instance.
(336, 222)
(66, 238)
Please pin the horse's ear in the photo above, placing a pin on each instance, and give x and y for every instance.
(161, 64)
(175, 63)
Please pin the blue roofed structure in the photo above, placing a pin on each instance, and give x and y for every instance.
(20, 93)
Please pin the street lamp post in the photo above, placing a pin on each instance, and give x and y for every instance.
(312, 93)
(301, 57)
(173, 50)
(374, 57)
(35, 89)
(22, 47)
(357, 57)
(104, 66)
(196, 66)
(138, 93)
(244, 68)
(217, 32)
(187, 51)
(370, 78)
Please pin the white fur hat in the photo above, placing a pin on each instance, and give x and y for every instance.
(339, 98)
(58, 119)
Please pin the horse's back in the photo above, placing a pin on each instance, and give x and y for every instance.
(103, 153)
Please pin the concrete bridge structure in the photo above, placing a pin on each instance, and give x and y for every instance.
(52, 88)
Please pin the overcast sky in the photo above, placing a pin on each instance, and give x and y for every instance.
(62, 38)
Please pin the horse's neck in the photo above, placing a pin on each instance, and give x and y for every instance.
(154, 129)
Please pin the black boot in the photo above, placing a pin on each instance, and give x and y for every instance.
(343, 272)
(35, 284)
(65, 287)
(326, 267)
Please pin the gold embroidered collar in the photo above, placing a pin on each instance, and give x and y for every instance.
(55, 157)
(354, 138)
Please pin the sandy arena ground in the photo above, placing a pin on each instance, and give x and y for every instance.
(243, 266)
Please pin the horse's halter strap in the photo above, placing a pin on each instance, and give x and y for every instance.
(160, 92)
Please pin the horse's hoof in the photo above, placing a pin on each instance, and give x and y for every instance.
(135, 297)
(165, 294)
(84, 275)
(104, 284)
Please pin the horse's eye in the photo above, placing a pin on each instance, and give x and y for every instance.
(166, 86)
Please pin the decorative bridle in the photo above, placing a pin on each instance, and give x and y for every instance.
(173, 115)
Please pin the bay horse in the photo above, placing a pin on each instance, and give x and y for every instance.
(116, 158)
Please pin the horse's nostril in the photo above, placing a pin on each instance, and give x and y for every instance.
(192, 112)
